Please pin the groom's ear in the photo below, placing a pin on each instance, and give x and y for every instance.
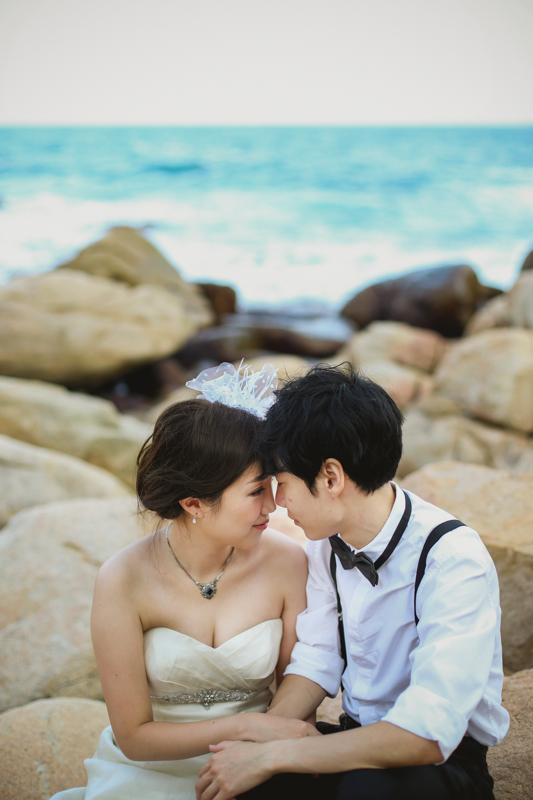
(332, 477)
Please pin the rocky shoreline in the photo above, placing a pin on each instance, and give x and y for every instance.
(90, 354)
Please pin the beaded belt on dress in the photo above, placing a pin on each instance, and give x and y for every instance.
(206, 697)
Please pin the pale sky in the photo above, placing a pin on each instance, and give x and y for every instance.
(266, 61)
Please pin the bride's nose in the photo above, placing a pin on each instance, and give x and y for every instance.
(269, 504)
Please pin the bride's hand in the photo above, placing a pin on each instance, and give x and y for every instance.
(267, 727)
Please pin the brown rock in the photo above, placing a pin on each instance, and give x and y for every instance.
(86, 427)
(316, 335)
(80, 330)
(511, 762)
(49, 556)
(428, 438)
(43, 746)
(218, 344)
(490, 376)
(124, 255)
(441, 299)
(137, 389)
(223, 299)
(394, 341)
(497, 504)
(528, 262)
(31, 476)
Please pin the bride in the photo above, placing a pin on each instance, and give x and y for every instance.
(191, 625)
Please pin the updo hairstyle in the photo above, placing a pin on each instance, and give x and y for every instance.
(197, 449)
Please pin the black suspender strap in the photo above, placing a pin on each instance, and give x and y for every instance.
(436, 534)
(398, 533)
(333, 568)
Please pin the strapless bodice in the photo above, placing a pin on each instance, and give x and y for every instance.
(178, 665)
(234, 676)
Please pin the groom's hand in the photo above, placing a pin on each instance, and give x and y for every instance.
(234, 768)
(268, 727)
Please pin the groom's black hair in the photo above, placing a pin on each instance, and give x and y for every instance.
(333, 412)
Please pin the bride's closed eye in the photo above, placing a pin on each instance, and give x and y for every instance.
(258, 491)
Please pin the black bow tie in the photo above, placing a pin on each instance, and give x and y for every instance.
(364, 563)
(349, 560)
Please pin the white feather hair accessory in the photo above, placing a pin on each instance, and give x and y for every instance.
(238, 388)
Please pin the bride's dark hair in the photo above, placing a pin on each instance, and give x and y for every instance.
(197, 449)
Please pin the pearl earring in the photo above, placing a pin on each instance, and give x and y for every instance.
(194, 519)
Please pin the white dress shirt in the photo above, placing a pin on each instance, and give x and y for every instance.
(440, 679)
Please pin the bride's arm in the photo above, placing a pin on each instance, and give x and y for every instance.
(118, 644)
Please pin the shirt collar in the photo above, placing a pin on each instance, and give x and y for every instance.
(378, 544)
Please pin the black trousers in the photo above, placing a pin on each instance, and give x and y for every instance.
(464, 776)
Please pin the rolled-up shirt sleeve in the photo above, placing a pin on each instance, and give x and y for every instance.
(316, 654)
(458, 627)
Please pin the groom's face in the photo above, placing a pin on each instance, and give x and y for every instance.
(308, 510)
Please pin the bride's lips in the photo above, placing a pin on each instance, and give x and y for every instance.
(262, 527)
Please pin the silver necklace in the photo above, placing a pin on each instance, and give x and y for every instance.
(207, 590)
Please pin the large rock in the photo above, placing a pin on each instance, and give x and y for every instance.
(514, 309)
(490, 376)
(397, 357)
(404, 384)
(498, 505)
(31, 476)
(124, 255)
(394, 341)
(86, 427)
(43, 746)
(494, 314)
(428, 438)
(440, 298)
(49, 556)
(511, 763)
(77, 329)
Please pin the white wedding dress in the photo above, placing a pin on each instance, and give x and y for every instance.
(188, 681)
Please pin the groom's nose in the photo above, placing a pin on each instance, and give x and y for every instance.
(280, 497)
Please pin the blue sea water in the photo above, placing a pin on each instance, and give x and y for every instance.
(281, 213)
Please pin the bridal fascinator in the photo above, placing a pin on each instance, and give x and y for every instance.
(238, 388)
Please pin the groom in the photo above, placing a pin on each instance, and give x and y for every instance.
(403, 609)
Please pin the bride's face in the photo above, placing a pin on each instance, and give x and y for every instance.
(242, 515)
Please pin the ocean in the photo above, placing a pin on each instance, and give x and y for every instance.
(283, 214)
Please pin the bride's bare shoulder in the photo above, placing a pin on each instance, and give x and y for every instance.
(131, 564)
(282, 549)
